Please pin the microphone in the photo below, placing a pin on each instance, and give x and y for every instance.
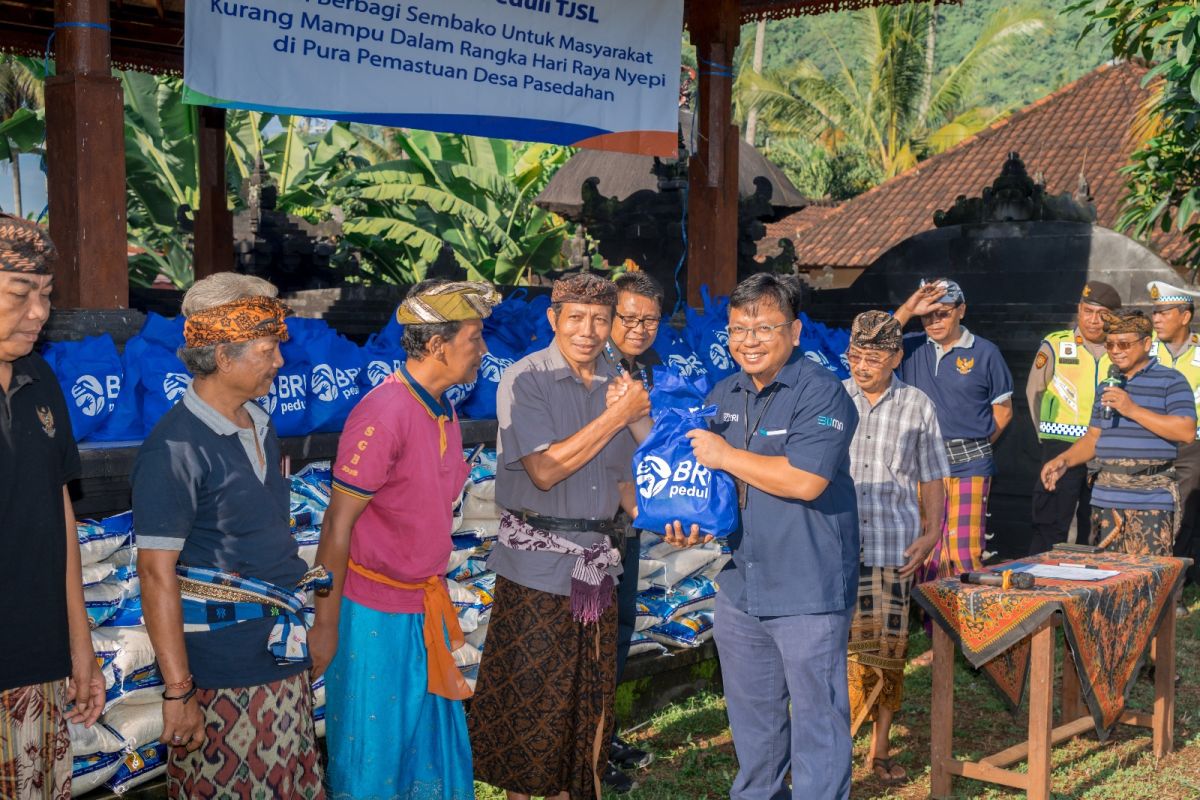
(1018, 580)
(1116, 380)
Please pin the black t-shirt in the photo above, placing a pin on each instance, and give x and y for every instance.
(37, 457)
(195, 491)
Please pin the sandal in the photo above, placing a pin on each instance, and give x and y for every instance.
(889, 767)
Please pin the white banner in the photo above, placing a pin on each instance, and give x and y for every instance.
(603, 74)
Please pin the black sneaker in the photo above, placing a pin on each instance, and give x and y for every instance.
(616, 780)
(626, 756)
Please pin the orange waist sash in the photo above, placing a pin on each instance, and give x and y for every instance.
(440, 621)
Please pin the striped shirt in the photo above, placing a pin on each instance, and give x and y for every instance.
(1158, 389)
(898, 444)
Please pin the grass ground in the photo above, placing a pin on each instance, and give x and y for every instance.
(694, 752)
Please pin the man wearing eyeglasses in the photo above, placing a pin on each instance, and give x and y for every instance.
(783, 430)
(631, 352)
(896, 450)
(971, 387)
(1175, 346)
(1134, 436)
(1061, 391)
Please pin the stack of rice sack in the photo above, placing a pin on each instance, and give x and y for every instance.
(471, 584)
(121, 750)
(677, 591)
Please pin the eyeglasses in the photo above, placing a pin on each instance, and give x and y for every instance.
(1114, 345)
(939, 315)
(875, 362)
(762, 333)
(649, 323)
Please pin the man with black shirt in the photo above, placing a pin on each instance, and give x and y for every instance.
(50, 662)
(639, 314)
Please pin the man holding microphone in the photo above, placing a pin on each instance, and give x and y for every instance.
(1135, 433)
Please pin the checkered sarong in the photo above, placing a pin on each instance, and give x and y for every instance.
(878, 643)
(960, 451)
(963, 533)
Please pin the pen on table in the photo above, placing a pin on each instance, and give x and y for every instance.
(1078, 566)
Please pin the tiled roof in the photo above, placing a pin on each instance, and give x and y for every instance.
(1083, 128)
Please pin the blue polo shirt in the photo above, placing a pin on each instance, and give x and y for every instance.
(964, 381)
(1161, 390)
(792, 556)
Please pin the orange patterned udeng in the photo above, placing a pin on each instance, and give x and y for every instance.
(240, 321)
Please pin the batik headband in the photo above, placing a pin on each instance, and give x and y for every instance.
(240, 321)
(449, 302)
(876, 330)
(25, 247)
(1127, 320)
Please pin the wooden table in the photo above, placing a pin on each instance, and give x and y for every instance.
(990, 623)
(1042, 734)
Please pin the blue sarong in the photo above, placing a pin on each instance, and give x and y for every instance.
(213, 599)
(388, 736)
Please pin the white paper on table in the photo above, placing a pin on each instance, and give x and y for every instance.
(1068, 573)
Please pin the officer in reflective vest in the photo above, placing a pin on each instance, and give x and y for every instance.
(1061, 391)
(1176, 346)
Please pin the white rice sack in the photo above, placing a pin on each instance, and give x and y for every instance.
(685, 563)
(472, 567)
(471, 675)
(90, 771)
(481, 482)
(693, 594)
(691, 630)
(482, 529)
(99, 540)
(457, 559)
(477, 637)
(655, 547)
(128, 665)
(123, 563)
(475, 508)
(95, 573)
(319, 726)
(136, 725)
(650, 570)
(467, 656)
(139, 767)
(645, 622)
(643, 642)
(318, 692)
(714, 569)
(468, 619)
(99, 738)
(103, 600)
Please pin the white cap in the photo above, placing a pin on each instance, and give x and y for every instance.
(1161, 292)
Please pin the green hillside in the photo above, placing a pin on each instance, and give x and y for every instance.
(1037, 69)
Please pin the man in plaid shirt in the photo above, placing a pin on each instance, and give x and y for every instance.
(897, 449)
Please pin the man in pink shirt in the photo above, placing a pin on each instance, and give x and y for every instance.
(383, 635)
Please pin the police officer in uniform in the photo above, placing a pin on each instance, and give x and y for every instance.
(1061, 391)
(1175, 346)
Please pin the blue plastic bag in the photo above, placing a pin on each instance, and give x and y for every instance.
(507, 332)
(672, 486)
(125, 422)
(163, 378)
(672, 391)
(89, 373)
(287, 400)
(676, 354)
(382, 355)
(708, 335)
(334, 386)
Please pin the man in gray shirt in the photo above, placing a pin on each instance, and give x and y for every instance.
(542, 717)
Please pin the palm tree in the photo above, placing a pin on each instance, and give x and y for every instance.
(22, 94)
(883, 99)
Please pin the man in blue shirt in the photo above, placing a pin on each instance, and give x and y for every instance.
(783, 430)
(1134, 436)
(971, 389)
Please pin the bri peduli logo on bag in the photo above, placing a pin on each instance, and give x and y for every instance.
(492, 367)
(687, 365)
(175, 385)
(288, 395)
(689, 479)
(330, 383)
(718, 351)
(459, 392)
(91, 398)
(379, 371)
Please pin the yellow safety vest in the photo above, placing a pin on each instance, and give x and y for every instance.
(1188, 364)
(1067, 402)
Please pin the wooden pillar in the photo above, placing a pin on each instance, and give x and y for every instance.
(85, 157)
(213, 235)
(713, 170)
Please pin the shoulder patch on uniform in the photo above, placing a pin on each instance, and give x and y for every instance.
(1040, 361)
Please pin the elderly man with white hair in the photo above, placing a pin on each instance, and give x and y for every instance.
(223, 586)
